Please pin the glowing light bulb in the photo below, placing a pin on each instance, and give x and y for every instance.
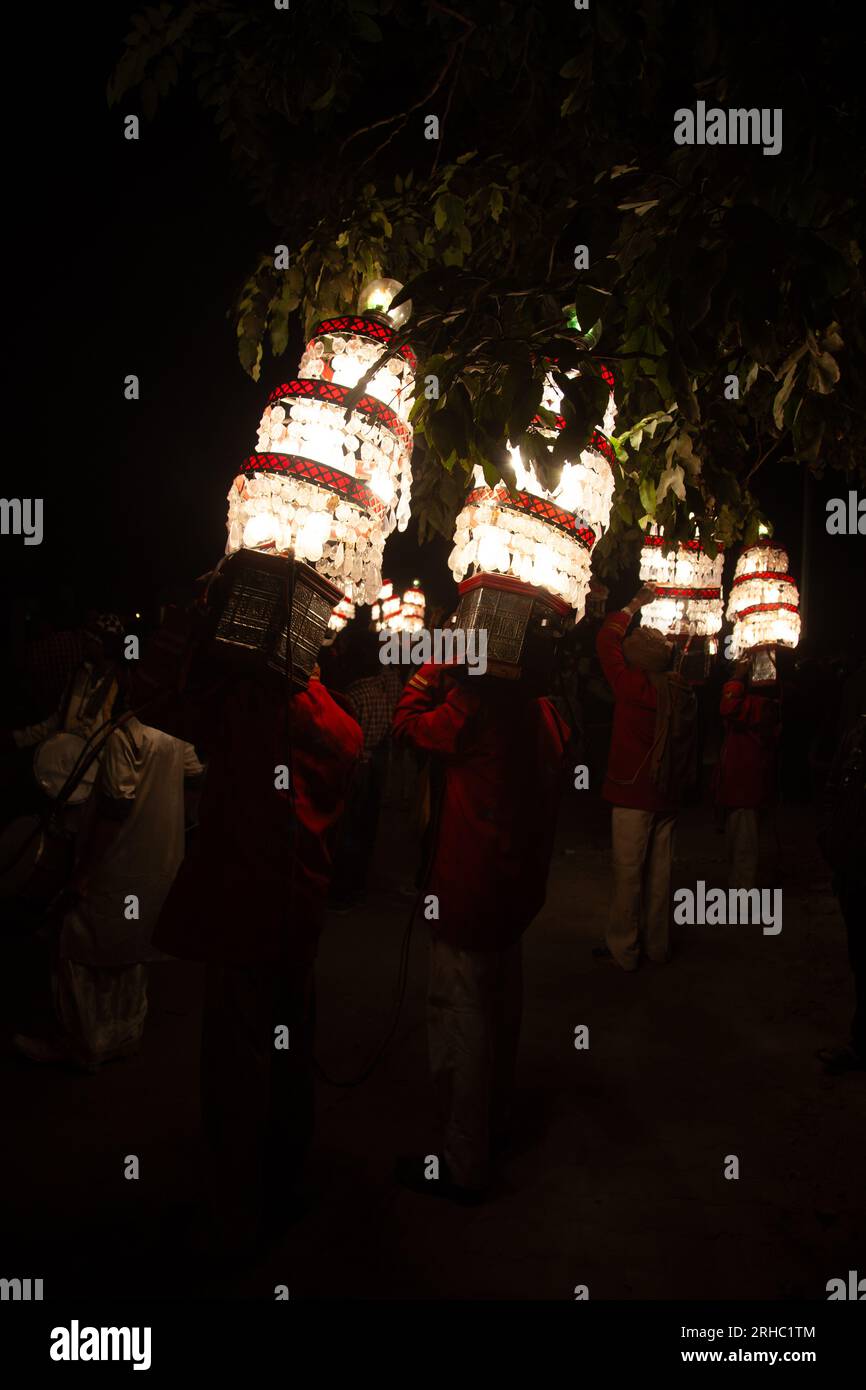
(376, 297)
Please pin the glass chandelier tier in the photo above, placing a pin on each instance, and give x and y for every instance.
(326, 485)
(689, 600)
(764, 605)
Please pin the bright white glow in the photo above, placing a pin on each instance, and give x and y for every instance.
(376, 297)
(258, 530)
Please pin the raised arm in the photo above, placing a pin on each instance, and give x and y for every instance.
(433, 710)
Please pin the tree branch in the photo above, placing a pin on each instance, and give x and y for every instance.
(766, 454)
(389, 120)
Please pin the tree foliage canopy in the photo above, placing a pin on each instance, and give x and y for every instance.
(556, 130)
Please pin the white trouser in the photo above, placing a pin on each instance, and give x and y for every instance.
(640, 905)
(742, 841)
(474, 1003)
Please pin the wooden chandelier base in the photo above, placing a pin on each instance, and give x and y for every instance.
(522, 624)
(272, 611)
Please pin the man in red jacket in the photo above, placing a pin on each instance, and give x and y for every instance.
(747, 773)
(249, 901)
(647, 701)
(502, 751)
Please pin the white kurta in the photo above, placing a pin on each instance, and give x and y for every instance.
(146, 768)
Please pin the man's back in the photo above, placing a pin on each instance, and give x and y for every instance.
(254, 882)
(503, 757)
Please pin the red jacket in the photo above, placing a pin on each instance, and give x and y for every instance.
(747, 772)
(503, 758)
(240, 895)
(628, 781)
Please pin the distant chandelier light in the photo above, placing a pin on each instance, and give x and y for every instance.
(765, 603)
(412, 612)
(386, 609)
(391, 614)
(323, 487)
(342, 614)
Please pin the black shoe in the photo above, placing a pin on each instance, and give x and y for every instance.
(341, 907)
(409, 1172)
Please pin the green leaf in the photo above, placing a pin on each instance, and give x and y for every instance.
(573, 67)
(647, 491)
(782, 395)
(366, 28)
(325, 99)
(527, 399)
(250, 354)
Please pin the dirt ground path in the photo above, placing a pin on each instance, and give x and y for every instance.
(616, 1180)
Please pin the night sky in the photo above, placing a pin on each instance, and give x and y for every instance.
(130, 256)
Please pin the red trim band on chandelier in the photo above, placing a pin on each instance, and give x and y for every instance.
(671, 591)
(606, 371)
(322, 475)
(597, 441)
(654, 541)
(535, 506)
(765, 608)
(359, 326)
(763, 574)
(309, 389)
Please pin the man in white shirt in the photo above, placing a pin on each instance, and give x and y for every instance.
(131, 852)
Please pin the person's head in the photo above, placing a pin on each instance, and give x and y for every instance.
(359, 651)
(103, 638)
(647, 649)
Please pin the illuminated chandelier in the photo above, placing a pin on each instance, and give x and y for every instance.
(764, 607)
(688, 581)
(391, 614)
(385, 613)
(689, 603)
(309, 512)
(341, 615)
(527, 552)
(413, 610)
(325, 487)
